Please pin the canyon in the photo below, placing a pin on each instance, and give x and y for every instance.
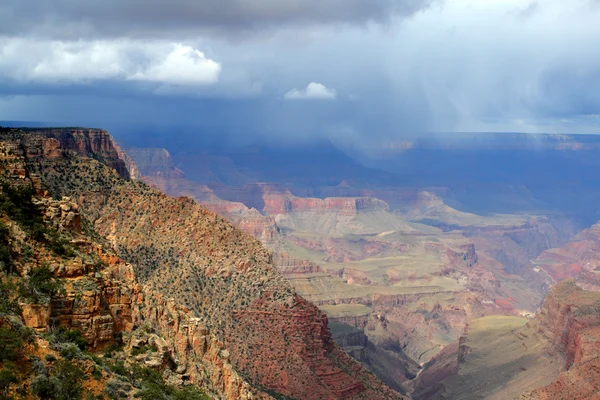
(504, 357)
(334, 281)
(399, 272)
(232, 324)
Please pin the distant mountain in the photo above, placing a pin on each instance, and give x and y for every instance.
(500, 173)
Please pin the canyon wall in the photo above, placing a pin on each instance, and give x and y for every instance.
(274, 339)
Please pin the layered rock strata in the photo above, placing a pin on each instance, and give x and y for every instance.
(273, 339)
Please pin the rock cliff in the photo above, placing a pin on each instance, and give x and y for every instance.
(94, 143)
(283, 204)
(579, 259)
(209, 289)
(154, 163)
(570, 322)
(553, 356)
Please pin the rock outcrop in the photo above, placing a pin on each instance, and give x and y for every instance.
(288, 265)
(250, 334)
(94, 143)
(570, 322)
(579, 259)
(100, 292)
(556, 354)
(154, 163)
(286, 203)
(246, 219)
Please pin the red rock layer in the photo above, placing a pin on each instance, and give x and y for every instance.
(276, 203)
(94, 143)
(570, 320)
(579, 259)
(287, 265)
(275, 340)
(246, 219)
(97, 302)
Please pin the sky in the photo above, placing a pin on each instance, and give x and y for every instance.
(355, 70)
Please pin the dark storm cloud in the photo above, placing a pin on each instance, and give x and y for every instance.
(457, 65)
(159, 18)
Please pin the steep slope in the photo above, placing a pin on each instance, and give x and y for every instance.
(426, 282)
(579, 259)
(409, 272)
(570, 321)
(157, 169)
(273, 338)
(71, 313)
(554, 356)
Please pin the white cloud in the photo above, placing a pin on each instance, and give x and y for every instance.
(184, 65)
(314, 91)
(81, 62)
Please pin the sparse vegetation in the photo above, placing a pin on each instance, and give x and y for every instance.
(6, 261)
(180, 255)
(40, 286)
(19, 204)
(143, 349)
(64, 335)
(10, 344)
(8, 304)
(63, 383)
(7, 376)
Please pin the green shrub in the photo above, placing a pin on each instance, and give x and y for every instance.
(44, 387)
(65, 335)
(38, 366)
(70, 351)
(153, 386)
(8, 306)
(116, 389)
(27, 334)
(43, 281)
(7, 376)
(143, 349)
(96, 373)
(111, 349)
(69, 377)
(64, 384)
(10, 344)
(152, 391)
(59, 245)
(18, 203)
(27, 252)
(190, 393)
(41, 285)
(119, 368)
(6, 261)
